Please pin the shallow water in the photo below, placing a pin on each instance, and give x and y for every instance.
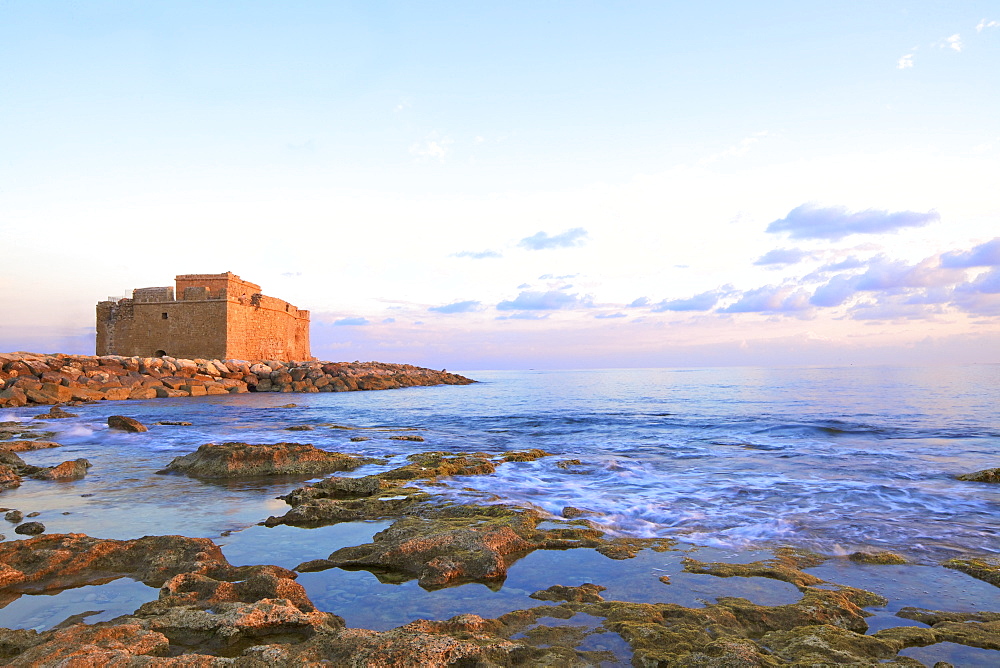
(730, 460)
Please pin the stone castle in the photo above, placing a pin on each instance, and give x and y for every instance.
(212, 316)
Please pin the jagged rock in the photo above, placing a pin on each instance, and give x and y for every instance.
(124, 423)
(71, 470)
(101, 644)
(407, 437)
(237, 460)
(14, 516)
(9, 477)
(30, 528)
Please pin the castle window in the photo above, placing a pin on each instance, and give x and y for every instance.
(160, 353)
(163, 316)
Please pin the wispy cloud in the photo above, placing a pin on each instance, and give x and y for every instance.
(523, 316)
(701, 302)
(984, 24)
(478, 255)
(737, 151)
(905, 62)
(434, 148)
(809, 221)
(542, 241)
(351, 322)
(782, 256)
(551, 300)
(457, 307)
(608, 316)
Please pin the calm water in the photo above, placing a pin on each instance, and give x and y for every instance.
(731, 461)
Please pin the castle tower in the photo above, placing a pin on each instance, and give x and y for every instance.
(211, 316)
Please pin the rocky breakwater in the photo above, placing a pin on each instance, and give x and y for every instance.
(28, 378)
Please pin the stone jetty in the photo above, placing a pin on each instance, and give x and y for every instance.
(29, 378)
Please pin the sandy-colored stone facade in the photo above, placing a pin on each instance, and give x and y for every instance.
(211, 316)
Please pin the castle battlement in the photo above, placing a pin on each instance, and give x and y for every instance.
(204, 316)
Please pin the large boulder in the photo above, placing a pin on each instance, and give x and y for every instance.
(242, 460)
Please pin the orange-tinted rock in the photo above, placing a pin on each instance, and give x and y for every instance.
(24, 446)
(71, 470)
(125, 424)
(59, 561)
(9, 477)
(89, 646)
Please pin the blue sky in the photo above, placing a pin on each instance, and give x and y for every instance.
(507, 185)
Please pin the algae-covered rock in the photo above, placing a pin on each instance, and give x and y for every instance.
(987, 571)
(586, 593)
(825, 645)
(241, 460)
(786, 565)
(986, 475)
(881, 558)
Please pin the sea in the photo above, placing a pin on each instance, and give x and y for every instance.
(730, 462)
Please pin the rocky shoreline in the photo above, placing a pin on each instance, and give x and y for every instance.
(30, 378)
(212, 613)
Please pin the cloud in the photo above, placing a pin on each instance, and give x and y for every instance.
(783, 256)
(606, 316)
(813, 222)
(905, 62)
(849, 262)
(477, 255)
(837, 291)
(432, 148)
(388, 321)
(523, 316)
(894, 309)
(551, 300)
(986, 24)
(954, 42)
(291, 274)
(703, 302)
(542, 240)
(885, 274)
(983, 255)
(641, 301)
(456, 307)
(351, 322)
(770, 299)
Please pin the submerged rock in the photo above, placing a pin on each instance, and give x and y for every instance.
(241, 460)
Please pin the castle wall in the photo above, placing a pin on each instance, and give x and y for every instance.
(215, 316)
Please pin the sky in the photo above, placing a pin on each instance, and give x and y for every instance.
(511, 185)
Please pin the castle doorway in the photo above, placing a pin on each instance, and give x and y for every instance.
(160, 353)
